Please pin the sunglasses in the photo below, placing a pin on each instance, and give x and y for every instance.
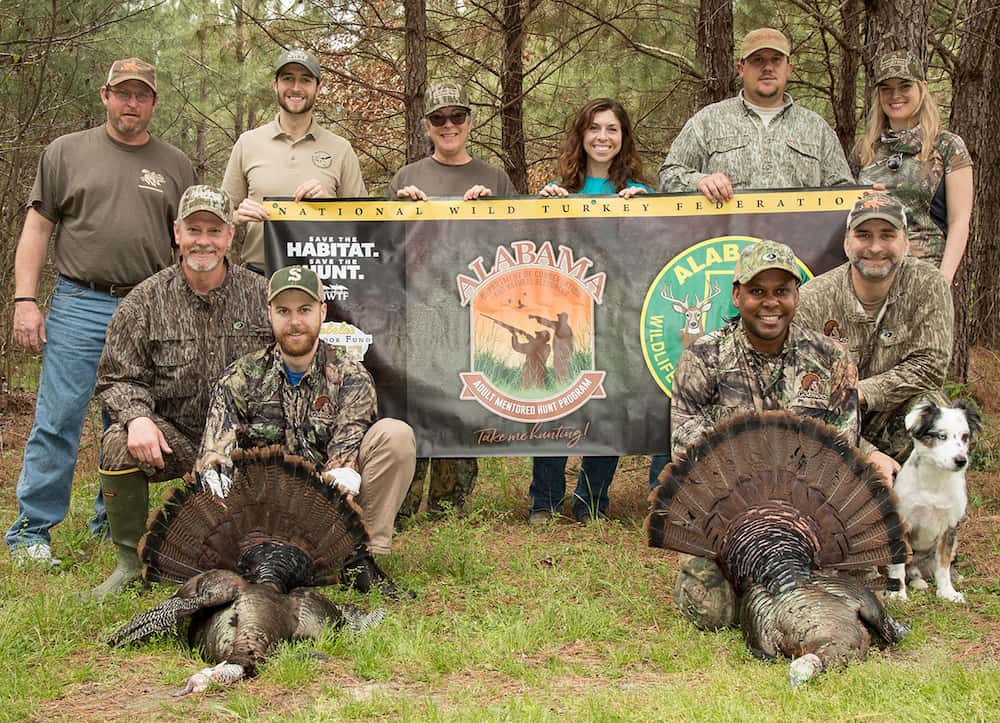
(457, 118)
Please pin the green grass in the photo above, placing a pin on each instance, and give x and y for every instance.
(508, 379)
(510, 622)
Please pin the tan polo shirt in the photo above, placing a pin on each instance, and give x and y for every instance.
(267, 162)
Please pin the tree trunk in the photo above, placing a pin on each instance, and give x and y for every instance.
(975, 116)
(845, 97)
(715, 50)
(415, 80)
(894, 25)
(240, 56)
(512, 95)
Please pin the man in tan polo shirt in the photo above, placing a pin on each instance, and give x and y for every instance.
(293, 155)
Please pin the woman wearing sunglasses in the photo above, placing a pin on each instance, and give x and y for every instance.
(599, 156)
(925, 166)
(450, 170)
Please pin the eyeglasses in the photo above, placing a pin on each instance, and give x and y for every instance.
(457, 118)
(142, 96)
(894, 162)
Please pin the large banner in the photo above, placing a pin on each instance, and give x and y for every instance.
(535, 326)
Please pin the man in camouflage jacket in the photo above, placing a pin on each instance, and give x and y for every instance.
(167, 343)
(759, 139)
(894, 314)
(316, 402)
(756, 363)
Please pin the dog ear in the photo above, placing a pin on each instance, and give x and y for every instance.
(922, 418)
(972, 415)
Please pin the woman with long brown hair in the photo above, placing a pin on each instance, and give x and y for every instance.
(598, 157)
(928, 168)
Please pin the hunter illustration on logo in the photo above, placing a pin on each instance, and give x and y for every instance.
(691, 296)
(532, 332)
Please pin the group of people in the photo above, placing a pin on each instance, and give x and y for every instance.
(193, 357)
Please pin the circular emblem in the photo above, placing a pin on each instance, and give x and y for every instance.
(689, 297)
(239, 325)
(322, 159)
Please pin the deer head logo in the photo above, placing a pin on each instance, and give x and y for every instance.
(692, 313)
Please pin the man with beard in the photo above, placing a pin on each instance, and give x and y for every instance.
(759, 139)
(293, 155)
(168, 342)
(892, 311)
(312, 399)
(110, 195)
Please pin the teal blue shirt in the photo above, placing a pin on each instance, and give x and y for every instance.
(600, 186)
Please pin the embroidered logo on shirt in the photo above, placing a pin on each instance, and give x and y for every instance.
(832, 329)
(151, 180)
(323, 405)
(811, 387)
(322, 159)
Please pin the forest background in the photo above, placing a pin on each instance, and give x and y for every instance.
(528, 64)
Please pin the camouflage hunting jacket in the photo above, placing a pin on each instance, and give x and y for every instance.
(902, 355)
(721, 374)
(796, 150)
(919, 184)
(323, 418)
(166, 345)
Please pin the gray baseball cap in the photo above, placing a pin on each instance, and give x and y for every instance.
(445, 95)
(303, 57)
(876, 204)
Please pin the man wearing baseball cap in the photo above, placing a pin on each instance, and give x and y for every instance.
(168, 342)
(108, 194)
(759, 139)
(315, 401)
(293, 155)
(893, 312)
(760, 361)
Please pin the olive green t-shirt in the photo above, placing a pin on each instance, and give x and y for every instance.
(113, 204)
(441, 179)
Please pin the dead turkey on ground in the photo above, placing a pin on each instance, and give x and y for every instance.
(774, 498)
(247, 561)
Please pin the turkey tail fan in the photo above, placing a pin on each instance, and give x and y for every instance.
(768, 466)
(274, 498)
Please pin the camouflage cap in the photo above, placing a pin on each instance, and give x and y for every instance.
(762, 38)
(443, 95)
(295, 277)
(898, 64)
(206, 198)
(877, 204)
(132, 69)
(762, 256)
(303, 57)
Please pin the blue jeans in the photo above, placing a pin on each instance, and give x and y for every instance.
(548, 485)
(656, 465)
(74, 329)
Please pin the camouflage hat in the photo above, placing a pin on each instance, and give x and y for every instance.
(898, 64)
(762, 38)
(762, 256)
(206, 198)
(443, 95)
(295, 277)
(132, 69)
(876, 204)
(303, 57)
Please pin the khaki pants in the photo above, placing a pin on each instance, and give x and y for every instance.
(386, 460)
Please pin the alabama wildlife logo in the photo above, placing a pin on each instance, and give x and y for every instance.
(691, 296)
(532, 332)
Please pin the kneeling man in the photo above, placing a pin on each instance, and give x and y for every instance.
(758, 362)
(316, 402)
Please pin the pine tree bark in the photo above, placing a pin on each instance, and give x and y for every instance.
(845, 97)
(894, 25)
(512, 93)
(715, 50)
(975, 116)
(415, 79)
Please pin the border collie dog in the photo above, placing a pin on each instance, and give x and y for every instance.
(931, 491)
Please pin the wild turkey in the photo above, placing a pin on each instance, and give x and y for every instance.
(773, 498)
(245, 562)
